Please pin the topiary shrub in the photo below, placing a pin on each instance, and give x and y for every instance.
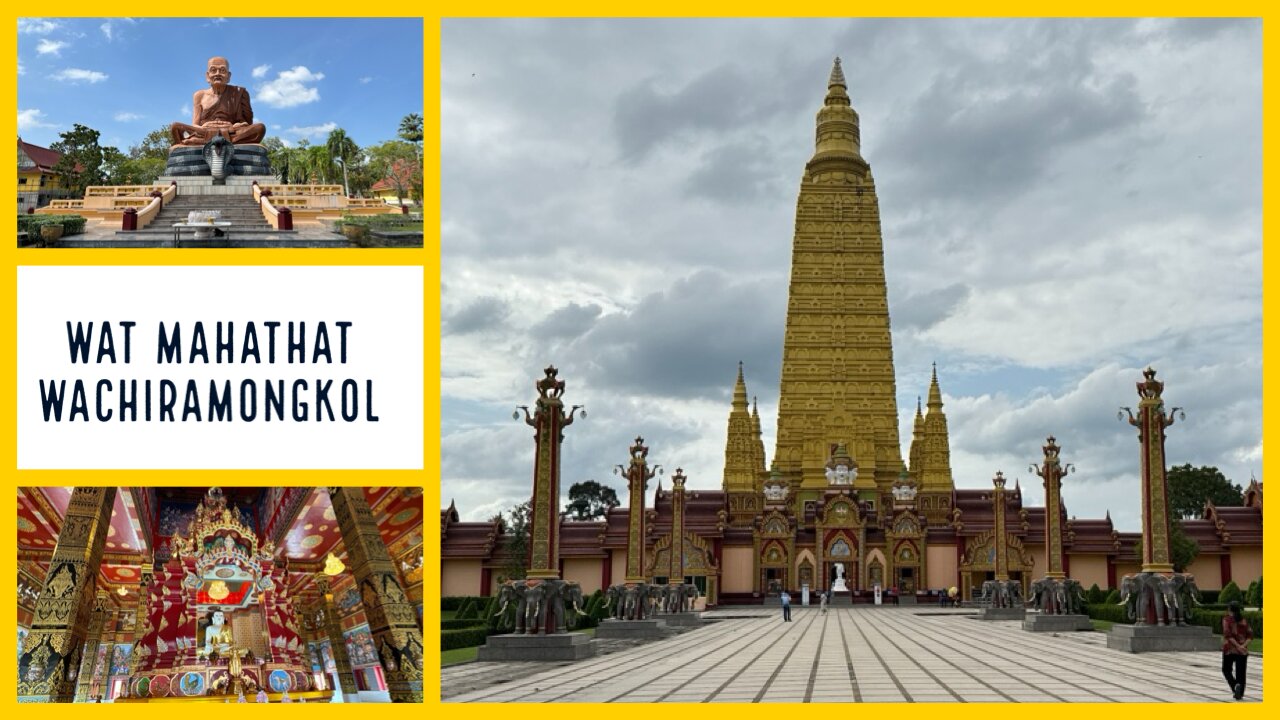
(468, 610)
(1254, 597)
(458, 624)
(1113, 598)
(452, 602)
(1095, 595)
(1231, 593)
(467, 637)
(1209, 596)
(1213, 619)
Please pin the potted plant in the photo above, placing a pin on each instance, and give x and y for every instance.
(50, 232)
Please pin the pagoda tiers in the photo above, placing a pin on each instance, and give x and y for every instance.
(837, 490)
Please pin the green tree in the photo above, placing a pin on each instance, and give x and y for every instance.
(516, 540)
(396, 162)
(1231, 593)
(411, 128)
(1253, 598)
(1183, 549)
(590, 500)
(1190, 487)
(81, 163)
(277, 155)
(342, 149)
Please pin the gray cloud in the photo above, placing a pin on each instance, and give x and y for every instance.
(479, 315)
(1062, 202)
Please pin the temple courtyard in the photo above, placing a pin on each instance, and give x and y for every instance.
(857, 654)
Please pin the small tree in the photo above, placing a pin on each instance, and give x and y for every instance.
(1113, 597)
(81, 163)
(1095, 594)
(590, 500)
(516, 540)
(1231, 593)
(1190, 487)
(1183, 549)
(1253, 598)
(396, 162)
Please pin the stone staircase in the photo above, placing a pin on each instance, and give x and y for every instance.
(248, 227)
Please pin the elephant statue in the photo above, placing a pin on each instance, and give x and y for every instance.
(635, 600)
(1012, 593)
(512, 591)
(535, 609)
(988, 593)
(1175, 611)
(655, 599)
(615, 598)
(1040, 595)
(1074, 597)
(1188, 595)
(688, 596)
(1142, 592)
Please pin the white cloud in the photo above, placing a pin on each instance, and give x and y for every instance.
(31, 119)
(127, 116)
(290, 88)
(76, 75)
(106, 30)
(36, 26)
(21, 70)
(312, 131)
(366, 80)
(185, 111)
(261, 71)
(50, 47)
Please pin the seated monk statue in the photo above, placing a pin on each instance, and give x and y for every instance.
(221, 110)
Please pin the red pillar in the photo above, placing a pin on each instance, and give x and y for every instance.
(1224, 563)
(130, 221)
(606, 571)
(286, 219)
(486, 580)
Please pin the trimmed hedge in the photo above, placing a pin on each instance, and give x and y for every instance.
(459, 624)
(1112, 598)
(452, 602)
(1209, 597)
(467, 637)
(1213, 619)
(1109, 612)
(71, 224)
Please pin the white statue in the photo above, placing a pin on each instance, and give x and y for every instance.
(775, 492)
(218, 635)
(842, 475)
(838, 585)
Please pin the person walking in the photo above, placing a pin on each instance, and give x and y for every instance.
(1236, 635)
(786, 606)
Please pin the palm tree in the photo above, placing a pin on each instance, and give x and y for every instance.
(342, 148)
(411, 131)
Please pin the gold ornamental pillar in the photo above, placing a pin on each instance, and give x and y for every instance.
(1001, 540)
(97, 620)
(1052, 472)
(1151, 422)
(50, 660)
(141, 615)
(549, 421)
(677, 528)
(638, 474)
(392, 619)
(331, 625)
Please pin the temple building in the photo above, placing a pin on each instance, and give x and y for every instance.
(838, 506)
(217, 594)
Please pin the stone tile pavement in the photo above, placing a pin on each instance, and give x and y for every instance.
(859, 654)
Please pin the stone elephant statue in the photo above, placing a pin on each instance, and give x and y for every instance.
(512, 592)
(635, 601)
(655, 599)
(1074, 598)
(1188, 594)
(1013, 593)
(689, 595)
(1142, 592)
(535, 608)
(615, 598)
(1041, 595)
(558, 596)
(1176, 611)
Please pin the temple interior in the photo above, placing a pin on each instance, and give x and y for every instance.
(235, 594)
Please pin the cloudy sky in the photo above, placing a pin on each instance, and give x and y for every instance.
(125, 77)
(1063, 203)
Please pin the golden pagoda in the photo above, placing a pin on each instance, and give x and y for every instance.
(838, 382)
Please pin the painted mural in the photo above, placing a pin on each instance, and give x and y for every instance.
(120, 659)
(360, 646)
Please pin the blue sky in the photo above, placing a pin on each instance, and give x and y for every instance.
(125, 77)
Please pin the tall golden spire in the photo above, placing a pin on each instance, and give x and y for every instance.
(739, 449)
(758, 460)
(838, 381)
(935, 455)
(917, 439)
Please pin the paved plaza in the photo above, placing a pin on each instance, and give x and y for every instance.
(860, 654)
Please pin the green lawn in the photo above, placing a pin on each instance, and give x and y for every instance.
(467, 654)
